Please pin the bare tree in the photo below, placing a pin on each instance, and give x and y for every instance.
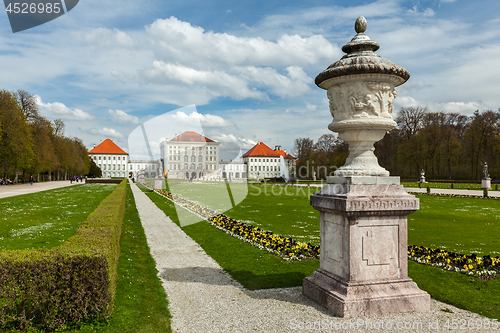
(303, 148)
(410, 120)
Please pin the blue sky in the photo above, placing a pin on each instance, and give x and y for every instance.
(248, 67)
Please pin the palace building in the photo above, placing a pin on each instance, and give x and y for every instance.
(263, 162)
(110, 158)
(190, 156)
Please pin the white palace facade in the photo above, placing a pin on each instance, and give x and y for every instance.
(110, 158)
(193, 156)
(190, 156)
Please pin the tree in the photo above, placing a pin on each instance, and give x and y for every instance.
(327, 143)
(411, 120)
(303, 148)
(16, 150)
(480, 140)
(41, 130)
(28, 105)
(94, 170)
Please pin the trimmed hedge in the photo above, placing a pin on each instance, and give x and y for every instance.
(73, 282)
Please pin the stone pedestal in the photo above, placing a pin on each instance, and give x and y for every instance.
(364, 261)
(486, 183)
(422, 179)
(158, 183)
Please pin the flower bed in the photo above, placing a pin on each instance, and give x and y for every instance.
(287, 248)
(467, 264)
(290, 249)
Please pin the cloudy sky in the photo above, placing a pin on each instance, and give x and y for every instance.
(246, 69)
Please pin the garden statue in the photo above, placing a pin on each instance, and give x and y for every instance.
(422, 176)
(486, 180)
(485, 171)
(363, 210)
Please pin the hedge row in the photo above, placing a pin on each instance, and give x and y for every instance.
(73, 282)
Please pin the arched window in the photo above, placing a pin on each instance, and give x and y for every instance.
(185, 166)
(200, 158)
(193, 158)
(193, 166)
(185, 158)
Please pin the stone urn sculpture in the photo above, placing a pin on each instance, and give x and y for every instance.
(363, 210)
(360, 88)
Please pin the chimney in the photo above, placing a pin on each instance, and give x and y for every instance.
(94, 145)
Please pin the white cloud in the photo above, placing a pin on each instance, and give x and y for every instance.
(120, 116)
(206, 120)
(241, 142)
(108, 38)
(428, 12)
(466, 108)
(59, 110)
(106, 132)
(179, 41)
(311, 107)
(217, 83)
(229, 66)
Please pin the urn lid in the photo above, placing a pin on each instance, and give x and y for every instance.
(361, 59)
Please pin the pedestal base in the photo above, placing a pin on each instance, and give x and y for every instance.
(363, 259)
(158, 183)
(486, 184)
(347, 299)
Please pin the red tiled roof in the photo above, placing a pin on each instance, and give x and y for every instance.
(191, 136)
(261, 149)
(107, 147)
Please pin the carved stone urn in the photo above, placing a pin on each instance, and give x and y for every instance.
(363, 211)
(360, 87)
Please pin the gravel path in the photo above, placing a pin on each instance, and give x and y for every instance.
(204, 298)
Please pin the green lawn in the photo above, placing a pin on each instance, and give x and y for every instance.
(253, 268)
(461, 225)
(141, 303)
(457, 224)
(47, 219)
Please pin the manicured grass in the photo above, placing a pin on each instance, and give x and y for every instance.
(47, 219)
(460, 290)
(284, 210)
(441, 222)
(460, 225)
(253, 268)
(141, 303)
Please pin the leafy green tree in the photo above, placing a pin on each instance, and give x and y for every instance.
(94, 170)
(16, 150)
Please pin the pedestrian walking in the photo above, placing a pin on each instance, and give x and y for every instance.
(31, 180)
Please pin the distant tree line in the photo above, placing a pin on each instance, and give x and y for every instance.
(446, 145)
(32, 145)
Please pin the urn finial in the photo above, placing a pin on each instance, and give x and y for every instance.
(360, 25)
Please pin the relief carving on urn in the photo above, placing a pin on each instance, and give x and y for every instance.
(364, 99)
